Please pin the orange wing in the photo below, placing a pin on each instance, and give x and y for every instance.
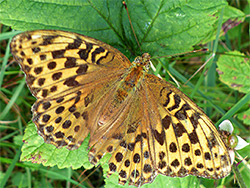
(161, 131)
(68, 73)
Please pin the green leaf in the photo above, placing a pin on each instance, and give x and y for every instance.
(160, 181)
(234, 70)
(245, 117)
(36, 151)
(162, 27)
(231, 18)
(167, 27)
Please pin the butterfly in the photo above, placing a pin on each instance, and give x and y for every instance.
(84, 86)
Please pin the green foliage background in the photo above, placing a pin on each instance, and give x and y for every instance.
(163, 28)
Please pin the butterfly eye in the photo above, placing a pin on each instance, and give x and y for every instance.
(145, 59)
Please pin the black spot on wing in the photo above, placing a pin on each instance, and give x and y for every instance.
(166, 121)
(177, 101)
(194, 119)
(58, 54)
(36, 50)
(179, 129)
(84, 53)
(75, 45)
(95, 53)
(48, 39)
(182, 113)
(160, 137)
(70, 62)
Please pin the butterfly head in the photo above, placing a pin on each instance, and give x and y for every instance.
(142, 61)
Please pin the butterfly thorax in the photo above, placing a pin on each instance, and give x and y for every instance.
(126, 88)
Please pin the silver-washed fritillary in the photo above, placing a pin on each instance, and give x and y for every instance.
(84, 86)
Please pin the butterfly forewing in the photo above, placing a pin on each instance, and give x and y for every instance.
(68, 73)
(84, 86)
(57, 61)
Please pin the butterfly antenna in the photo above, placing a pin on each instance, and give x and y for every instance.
(193, 51)
(158, 75)
(125, 5)
(173, 78)
(154, 69)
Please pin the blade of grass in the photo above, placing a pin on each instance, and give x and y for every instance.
(228, 42)
(235, 108)
(69, 174)
(238, 176)
(5, 60)
(7, 35)
(210, 81)
(29, 177)
(12, 100)
(11, 167)
(212, 60)
(17, 132)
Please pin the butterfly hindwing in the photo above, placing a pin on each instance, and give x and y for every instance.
(193, 144)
